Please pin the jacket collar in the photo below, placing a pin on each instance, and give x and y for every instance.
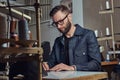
(78, 32)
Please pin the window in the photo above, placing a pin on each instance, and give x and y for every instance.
(45, 7)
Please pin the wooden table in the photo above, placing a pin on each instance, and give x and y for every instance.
(75, 75)
(108, 66)
(107, 63)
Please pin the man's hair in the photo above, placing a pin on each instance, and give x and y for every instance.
(61, 8)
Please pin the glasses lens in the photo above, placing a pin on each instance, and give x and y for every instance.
(60, 22)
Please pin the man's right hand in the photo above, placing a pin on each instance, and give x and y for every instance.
(45, 66)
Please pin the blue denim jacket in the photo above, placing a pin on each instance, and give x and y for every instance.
(83, 51)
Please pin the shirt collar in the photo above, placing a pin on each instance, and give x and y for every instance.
(78, 32)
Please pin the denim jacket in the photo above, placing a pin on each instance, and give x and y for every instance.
(83, 51)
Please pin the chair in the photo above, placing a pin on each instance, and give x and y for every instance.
(46, 50)
(116, 73)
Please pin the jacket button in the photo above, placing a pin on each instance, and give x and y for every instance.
(83, 53)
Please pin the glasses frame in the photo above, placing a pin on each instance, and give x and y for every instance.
(60, 22)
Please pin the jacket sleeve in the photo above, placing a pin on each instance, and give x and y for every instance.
(52, 61)
(94, 56)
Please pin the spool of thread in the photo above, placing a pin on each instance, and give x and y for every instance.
(107, 5)
(107, 31)
(13, 26)
(15, 37)
(23, 29)
(30, 34)
(107, 57)
(101, 48)
(3, 27)
(96, 33)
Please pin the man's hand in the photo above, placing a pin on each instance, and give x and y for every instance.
(45, 66)
(61, 67)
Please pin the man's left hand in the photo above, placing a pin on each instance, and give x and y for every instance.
(61, 67)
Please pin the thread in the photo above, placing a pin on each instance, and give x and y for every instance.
(96, 33)
(13, 26)
(30, 34)
(15, 37)
(107, 5)
(107, 31)
(23, 29)
(107, 57)
(13, 34)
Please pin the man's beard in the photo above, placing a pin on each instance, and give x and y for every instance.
(67, 29)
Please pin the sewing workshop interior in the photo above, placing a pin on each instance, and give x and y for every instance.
(59, 40)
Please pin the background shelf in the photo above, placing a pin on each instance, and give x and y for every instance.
(104, 38)
(106, 12)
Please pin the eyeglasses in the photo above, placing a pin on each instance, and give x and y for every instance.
(60, 22)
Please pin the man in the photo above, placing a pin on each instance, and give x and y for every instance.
(76, 49)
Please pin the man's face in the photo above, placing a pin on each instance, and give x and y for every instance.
(61, 21)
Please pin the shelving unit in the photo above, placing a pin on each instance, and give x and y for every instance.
(104, 38)
(106, 12)
(111, 37)
(35, 53)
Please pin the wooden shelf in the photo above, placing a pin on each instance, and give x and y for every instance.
(106, 12)
(25, 50)
(108, 37)
(15, 58)
(104, 38)
(117, 42)
(25, 42)
(114, 52)
(20, 42)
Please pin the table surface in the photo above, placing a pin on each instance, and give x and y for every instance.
(75, 75)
